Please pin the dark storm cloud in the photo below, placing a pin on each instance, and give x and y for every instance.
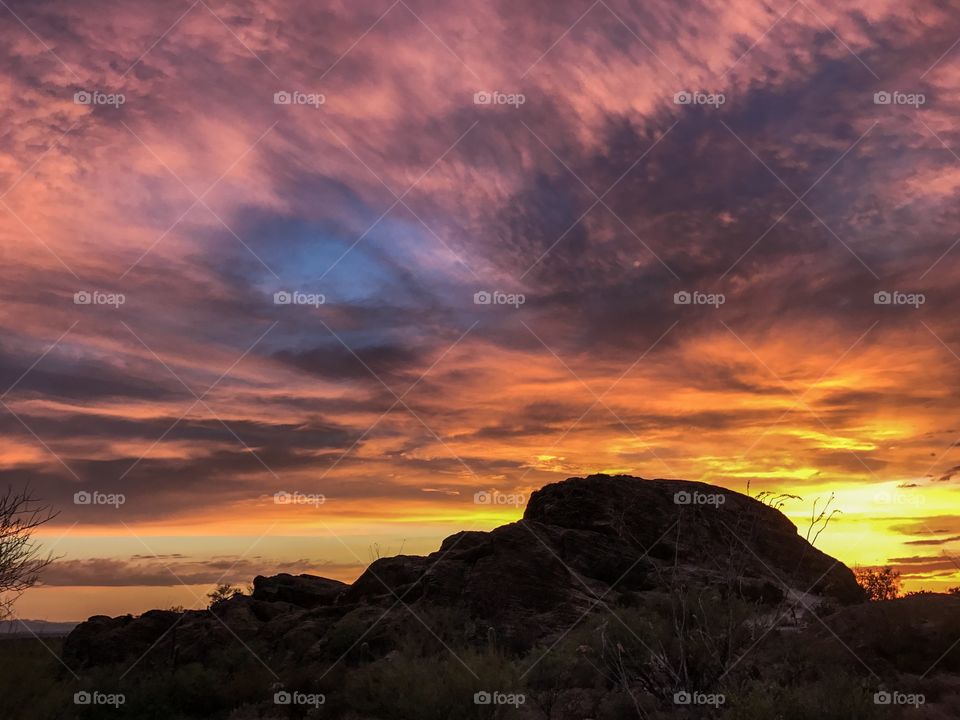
(337, 362)
(80, 379)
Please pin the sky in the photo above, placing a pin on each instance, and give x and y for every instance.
(405, 262)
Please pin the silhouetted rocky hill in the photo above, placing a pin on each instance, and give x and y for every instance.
(611, 592)
(606, 537)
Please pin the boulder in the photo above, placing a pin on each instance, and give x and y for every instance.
(695, 524)
(306, 591)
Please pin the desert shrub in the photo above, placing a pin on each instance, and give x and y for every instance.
(29, 684)
(835, 695)
(685, 642)
(429, 672)
(224, 591)
(348, 636)
(641, 656)
(879, 583)
(552, 669)
(434, 687)
(193, 691)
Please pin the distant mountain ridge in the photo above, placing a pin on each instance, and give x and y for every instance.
(29, 628)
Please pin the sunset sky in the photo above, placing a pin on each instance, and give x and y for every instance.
(431, 151)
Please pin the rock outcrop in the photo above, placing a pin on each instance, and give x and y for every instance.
(583, 544)
(704, 533)
(305, 591)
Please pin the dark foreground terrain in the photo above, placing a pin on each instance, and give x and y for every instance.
(614, 597)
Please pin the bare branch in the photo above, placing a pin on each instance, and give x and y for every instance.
(20, 560)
